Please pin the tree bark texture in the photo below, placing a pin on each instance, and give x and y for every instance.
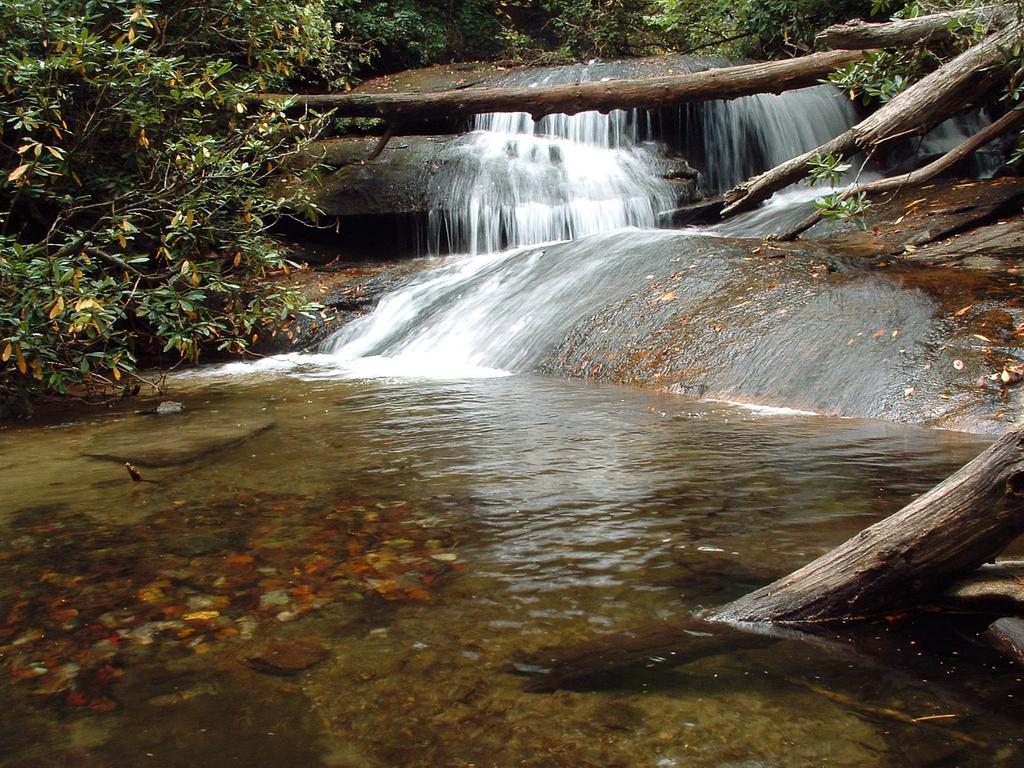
(402, 109)
(887, 568)
(936, 27)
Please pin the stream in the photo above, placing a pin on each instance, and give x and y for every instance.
(412, 548)
(411, 543)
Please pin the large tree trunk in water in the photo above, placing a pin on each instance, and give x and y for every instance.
(720, 83)
(886, 569)
(857, 34)
(927, 102)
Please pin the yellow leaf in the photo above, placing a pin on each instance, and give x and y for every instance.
(18, 172)
(57, 308)
(189, 217)
(37, 370)
(238, 259)
(125, 225)
(136, 14)
(201, 615)
(8, 350)
(116, 373)
(22, 367)
(151, 594)
(82, 304)
(54, 151)
(122, 241)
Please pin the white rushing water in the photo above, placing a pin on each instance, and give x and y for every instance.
(493, 313)
(515, 184)
(516, 181)
(745, 136)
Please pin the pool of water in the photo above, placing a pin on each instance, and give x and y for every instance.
(493, 572)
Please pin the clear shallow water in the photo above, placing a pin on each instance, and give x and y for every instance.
(417, 549)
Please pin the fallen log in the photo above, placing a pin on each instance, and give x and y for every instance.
(718, 83)
(936, 27)
(889, 567)
(929, 101)
(1008, 122)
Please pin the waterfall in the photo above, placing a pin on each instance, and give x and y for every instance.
(740, 138)
(500, 312)
(516, 181)
(519, 182)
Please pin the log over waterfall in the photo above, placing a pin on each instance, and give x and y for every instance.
(401, 110)
(1012, 120)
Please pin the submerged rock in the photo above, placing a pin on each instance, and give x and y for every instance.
(1007, 636)
(286, 657)
(190, 442)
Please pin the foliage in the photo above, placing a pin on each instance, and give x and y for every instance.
(782, 26)
(603, 28)
(134, 206)
(844, 207)
(839, 205)
(758, 28)
(390, 34)
(883, 74)
(829, 168)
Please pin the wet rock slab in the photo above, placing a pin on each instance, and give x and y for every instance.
(189, 441)
(858, 324)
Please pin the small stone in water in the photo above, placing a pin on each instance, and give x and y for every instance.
(285, 657)
(274, 599)
(169, 406)
(247, 627)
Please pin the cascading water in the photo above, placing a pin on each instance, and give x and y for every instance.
(740, 138)
(518, 181)
(494, 313)
(592, 179)
(515, 181)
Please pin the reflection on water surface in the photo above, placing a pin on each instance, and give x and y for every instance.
(372, 574)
